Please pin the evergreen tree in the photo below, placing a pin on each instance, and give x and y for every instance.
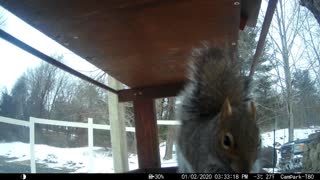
(19, 94)
(7, 105)
(306, 100)
(262, 82)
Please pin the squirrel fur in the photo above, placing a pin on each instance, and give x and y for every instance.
(218, 132)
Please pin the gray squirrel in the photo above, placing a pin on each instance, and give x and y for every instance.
(218, 131)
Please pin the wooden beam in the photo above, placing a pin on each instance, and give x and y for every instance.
(117, 129)
(11, 39)
(146, 134)
(272, 5)
(150, 92)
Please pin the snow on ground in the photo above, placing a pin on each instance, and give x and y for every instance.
(72, 158)
(77, 159)
(282, 135)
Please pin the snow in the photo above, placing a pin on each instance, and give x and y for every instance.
(282, 135)
(77, 159)
(72, 158)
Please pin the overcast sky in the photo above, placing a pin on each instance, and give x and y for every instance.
(14, 61)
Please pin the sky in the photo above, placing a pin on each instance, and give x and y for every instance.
(15, 61)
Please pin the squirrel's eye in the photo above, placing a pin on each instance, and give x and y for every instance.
(227, 141)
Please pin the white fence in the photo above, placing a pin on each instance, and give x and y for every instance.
(90, 126)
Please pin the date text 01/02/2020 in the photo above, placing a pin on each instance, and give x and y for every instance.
(204, 176)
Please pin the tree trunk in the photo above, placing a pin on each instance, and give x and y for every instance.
(169, 143)
(171, 130)
(288, 79)
(287, 72)
(134, 145)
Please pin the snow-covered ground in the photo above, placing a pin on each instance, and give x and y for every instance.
(78, 158)
(281, 137)
(72, 158)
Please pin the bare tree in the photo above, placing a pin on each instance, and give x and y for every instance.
(171, 132)
(166, 111)
(41, 81)
(283, 35)
(312, 43)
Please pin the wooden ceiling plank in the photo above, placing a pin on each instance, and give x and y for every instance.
(150, 92)
(140, 43)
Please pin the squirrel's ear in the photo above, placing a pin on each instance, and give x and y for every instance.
(226, 110)
(252, 110)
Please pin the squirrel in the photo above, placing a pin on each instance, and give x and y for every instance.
(218, 131)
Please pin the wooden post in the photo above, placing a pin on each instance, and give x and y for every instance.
(90, 145)
(32, 145)
(146, 133)
(117, 129)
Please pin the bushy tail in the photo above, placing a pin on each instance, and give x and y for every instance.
(213, 76)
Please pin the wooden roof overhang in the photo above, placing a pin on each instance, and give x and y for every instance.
(142, 43)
